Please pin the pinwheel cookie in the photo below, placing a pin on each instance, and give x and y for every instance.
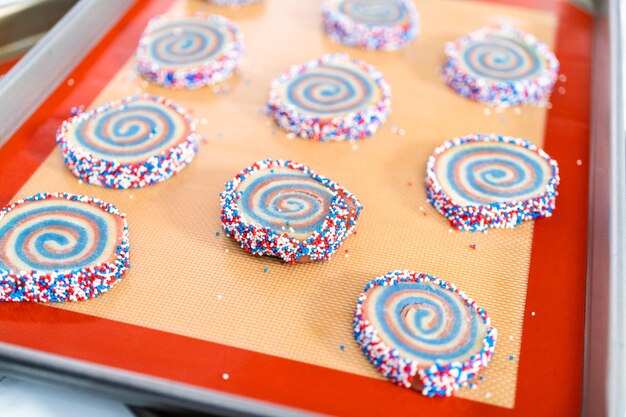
(423, 333)
(284, 209)
(61, 247)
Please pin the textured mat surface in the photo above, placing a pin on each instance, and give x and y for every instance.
(187, 280)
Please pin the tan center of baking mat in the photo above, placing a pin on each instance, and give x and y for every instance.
(186, 280)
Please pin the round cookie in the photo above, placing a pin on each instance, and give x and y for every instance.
(283, 209)
(189, 52)
(501, 66)
(130, 143)
(481, 181)
(334, 98)
(371, 24)
(423, 333)
(61, 247)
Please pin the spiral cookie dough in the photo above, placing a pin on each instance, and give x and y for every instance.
(423, 333)
(131, 143)
(482, 181)
(331, 99)
(283, 209)
(501, 66)
(371, 24)
(189, 52)
(61, 247)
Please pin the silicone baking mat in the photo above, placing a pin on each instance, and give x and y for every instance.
(189, 279)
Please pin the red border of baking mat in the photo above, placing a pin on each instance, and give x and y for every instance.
(5, 66)
(550, 369)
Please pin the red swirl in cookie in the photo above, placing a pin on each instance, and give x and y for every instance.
(490, 172)
(285, 200)
(59, 235)
(130, 133)
(424, 322)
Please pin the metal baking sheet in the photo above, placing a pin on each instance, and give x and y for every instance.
(214, 309)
